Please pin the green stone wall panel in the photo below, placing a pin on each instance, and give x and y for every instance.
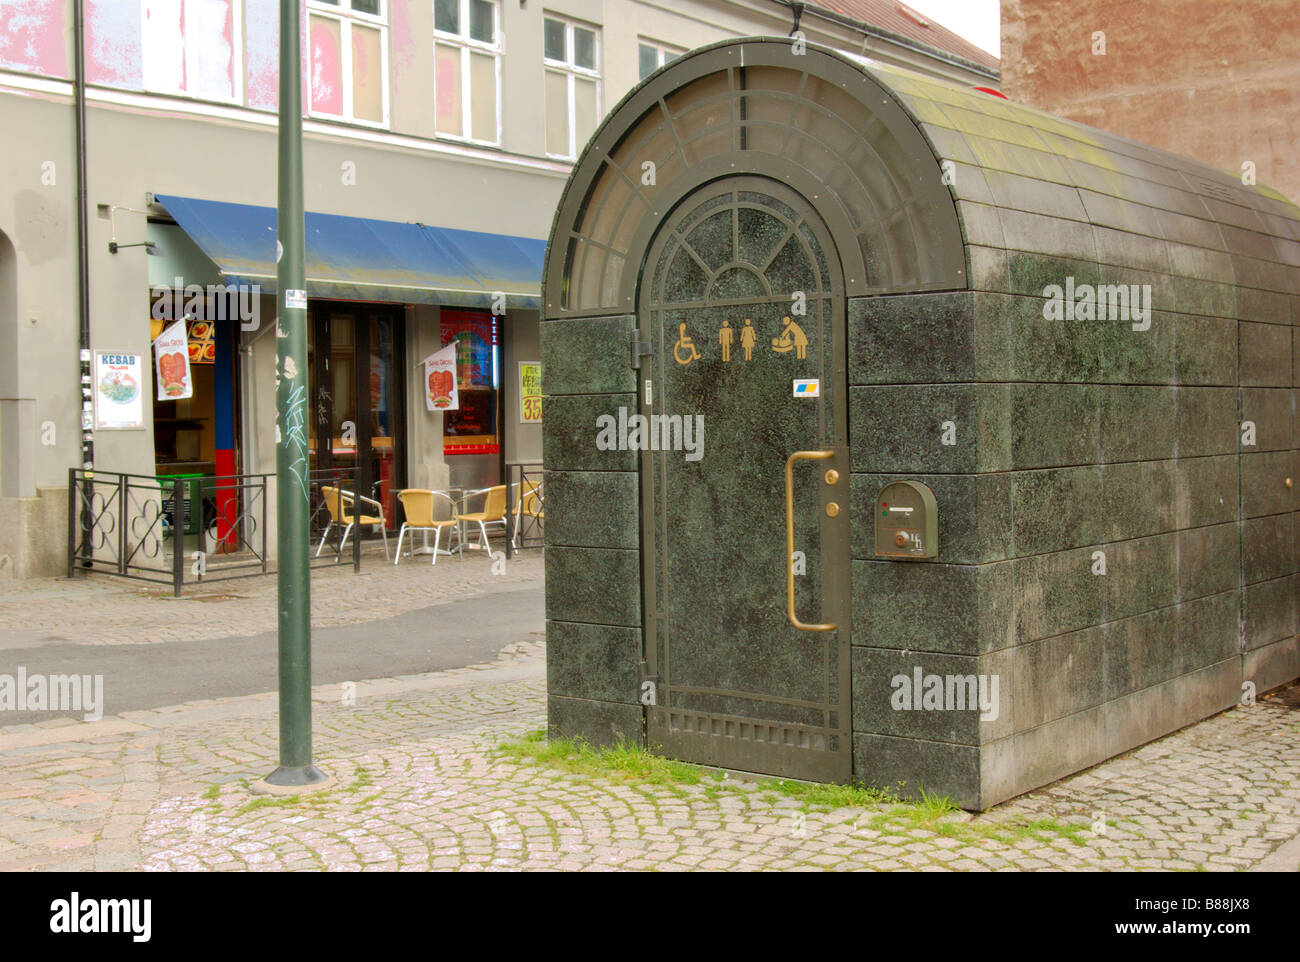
(1271, 307)
(1139, 652)
(1269, 608)
(981, 224)
(1209, 630)
(598, 723)
(989, 270)
(1038, 234)
(1190, 260)
(1264, 488)
(1141, 575)
(588, 356)
(593, 585)
(886, 690)
(1137, 499)
(898, 428)
(1206, 421)
(1209, 560)
(1272, 665)
(1137, 423)
(1265, 354)
(1056, 676)
(592, 509)
(1267, 547)
(1192, 295)
(1205, 490)
(926, 338)
(1054, 424)
(911, 767)
(571, 427)
(596, 662)
(931, 607)
(1205, 348)
(1057, 593)
(1040, 196)
(1270, 410)
(1055, 509)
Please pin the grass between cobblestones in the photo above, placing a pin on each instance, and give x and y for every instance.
(884, 811)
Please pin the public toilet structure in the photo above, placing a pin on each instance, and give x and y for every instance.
(897, 433)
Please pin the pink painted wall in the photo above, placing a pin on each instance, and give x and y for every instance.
(32, 38)
(262, 53)
(113, 44)
(326, 70)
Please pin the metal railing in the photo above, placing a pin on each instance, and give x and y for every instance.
(179, 531)
(137, 526)
(524, 529)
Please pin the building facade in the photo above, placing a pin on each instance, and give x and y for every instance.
(1197, 77)
(438, 135)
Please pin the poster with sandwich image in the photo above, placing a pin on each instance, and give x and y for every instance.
(440, 389)
(172, 363)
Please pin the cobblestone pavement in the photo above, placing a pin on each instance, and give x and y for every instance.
(421, 783)
(100, 609)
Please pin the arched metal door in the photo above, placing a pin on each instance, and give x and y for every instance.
(742, 302)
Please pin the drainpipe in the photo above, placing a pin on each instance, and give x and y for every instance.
(87, 422)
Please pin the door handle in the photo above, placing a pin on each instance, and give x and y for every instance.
(789, 535)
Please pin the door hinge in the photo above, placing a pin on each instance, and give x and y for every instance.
(640, 348)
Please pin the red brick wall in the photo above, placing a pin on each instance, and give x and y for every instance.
(1211, 79)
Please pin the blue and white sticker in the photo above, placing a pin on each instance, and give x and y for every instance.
(807, 387)
(295, 299)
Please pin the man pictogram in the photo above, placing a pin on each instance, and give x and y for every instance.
(725, 335)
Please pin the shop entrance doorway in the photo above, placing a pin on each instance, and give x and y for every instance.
(355, 354)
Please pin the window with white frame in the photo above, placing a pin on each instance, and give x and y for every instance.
(467, 69)
(348, 45)
(191, 47)
(571, 53)
(651, 55)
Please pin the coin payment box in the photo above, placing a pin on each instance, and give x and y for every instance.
(907, 521)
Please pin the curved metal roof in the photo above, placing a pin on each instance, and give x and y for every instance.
(925, 186)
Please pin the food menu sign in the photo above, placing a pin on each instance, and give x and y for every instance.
(119, 390)
(440, 389)
(172, 364)
(530, 392)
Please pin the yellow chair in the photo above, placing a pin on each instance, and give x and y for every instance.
(421, 509)
(341, 505)
(528, 502)
(494, 511)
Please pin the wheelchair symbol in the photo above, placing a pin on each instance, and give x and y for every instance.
(684, 350)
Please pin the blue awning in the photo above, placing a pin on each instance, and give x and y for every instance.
(360, 259)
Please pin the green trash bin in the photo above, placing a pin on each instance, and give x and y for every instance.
(193, 520)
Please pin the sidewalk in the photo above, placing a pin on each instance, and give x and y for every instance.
(420, 786)
(100, 609)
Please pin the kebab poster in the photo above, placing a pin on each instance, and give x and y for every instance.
(440, 390)
(172, 360)
(119, 390)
